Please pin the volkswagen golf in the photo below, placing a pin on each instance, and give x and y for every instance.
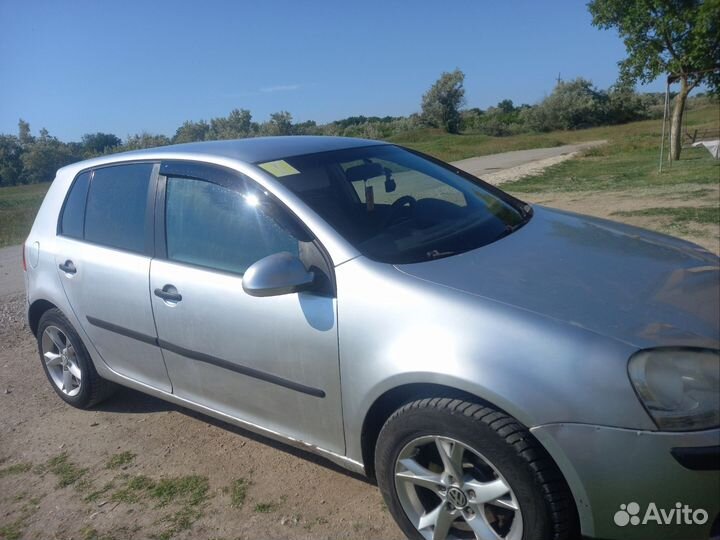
(504, 371)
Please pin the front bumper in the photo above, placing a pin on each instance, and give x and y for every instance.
(608, 467)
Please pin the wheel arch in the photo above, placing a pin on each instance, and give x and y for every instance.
(391, 400)
(36, 310)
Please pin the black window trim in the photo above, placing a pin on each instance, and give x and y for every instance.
(149, 244)
(229, 179)
(59, 231)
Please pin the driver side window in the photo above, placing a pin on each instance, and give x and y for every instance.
(215, 227)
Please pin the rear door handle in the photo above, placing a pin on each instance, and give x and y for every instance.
(68, 267)
(169, 294)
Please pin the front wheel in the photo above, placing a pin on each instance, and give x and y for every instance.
(450, 469)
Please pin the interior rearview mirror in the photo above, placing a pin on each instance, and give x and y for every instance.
(364, 172)
(280, 273)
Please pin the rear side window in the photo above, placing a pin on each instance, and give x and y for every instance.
(116, 205)
(73, 216)
(215, 227)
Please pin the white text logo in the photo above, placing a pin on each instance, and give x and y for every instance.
(682, 514)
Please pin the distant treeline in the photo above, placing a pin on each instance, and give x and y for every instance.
(28, 159)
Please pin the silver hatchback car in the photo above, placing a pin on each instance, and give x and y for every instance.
(503, 371)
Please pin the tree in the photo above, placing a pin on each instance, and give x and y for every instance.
(679, 38)
(145, 140)
(10, 160)
(280, 123)
(24, 135)
(44, 157)
(95, 144)
(237, 125)
(441, 104)
(506, 106)
(191, 132)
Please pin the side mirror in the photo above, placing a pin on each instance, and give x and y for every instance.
(280, 273)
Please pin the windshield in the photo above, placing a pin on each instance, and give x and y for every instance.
(398, 207)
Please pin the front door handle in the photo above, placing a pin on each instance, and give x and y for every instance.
(68, 267)
(168, 293)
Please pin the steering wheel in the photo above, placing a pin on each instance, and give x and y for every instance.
(405, 202)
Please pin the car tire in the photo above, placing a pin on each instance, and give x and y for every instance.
(491, 452)
(67, 364)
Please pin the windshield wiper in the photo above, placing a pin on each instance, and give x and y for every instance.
(435, 254)
(509, 229)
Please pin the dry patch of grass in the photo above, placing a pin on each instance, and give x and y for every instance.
(120, 460)
(66, 471)
(18, 468)
(238, 492)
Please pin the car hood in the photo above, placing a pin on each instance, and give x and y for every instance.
(633, 285)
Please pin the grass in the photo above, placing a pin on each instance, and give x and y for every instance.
(95, 495)
(622, 165)
(238, 492)
(628, 166)
(702, 214)
(179, 521)
(13, 530)
(18, 206)
(629, 160)
(450, 147)
(120, 460)
(90, 533)
(190, 490)
(66, 471)
(679, 220)
(18, 468)
(266, 507)
(135, 489)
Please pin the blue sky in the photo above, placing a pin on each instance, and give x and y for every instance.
(126, 66)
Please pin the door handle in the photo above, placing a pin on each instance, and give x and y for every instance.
(168, 293)
(68, 267)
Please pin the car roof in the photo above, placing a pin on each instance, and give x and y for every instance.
(256, 149)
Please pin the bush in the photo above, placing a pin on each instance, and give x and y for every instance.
(572, 105)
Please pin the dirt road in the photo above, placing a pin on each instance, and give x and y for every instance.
(11, 276)
(488, 167)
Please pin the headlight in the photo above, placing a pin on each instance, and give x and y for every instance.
(680, 388)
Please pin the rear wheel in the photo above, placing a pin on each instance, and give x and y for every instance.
(67, 363)
(450, 469)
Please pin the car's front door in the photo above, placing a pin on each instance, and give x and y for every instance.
(270, 361)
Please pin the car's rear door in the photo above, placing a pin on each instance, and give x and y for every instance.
(270, 361)
(104, 247)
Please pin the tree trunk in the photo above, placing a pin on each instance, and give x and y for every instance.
(676, 121)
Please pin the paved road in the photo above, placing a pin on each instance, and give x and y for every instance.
(482, 165)
(11, 276)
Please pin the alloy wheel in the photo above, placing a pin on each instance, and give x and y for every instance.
(450, 491)
(61, 361)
